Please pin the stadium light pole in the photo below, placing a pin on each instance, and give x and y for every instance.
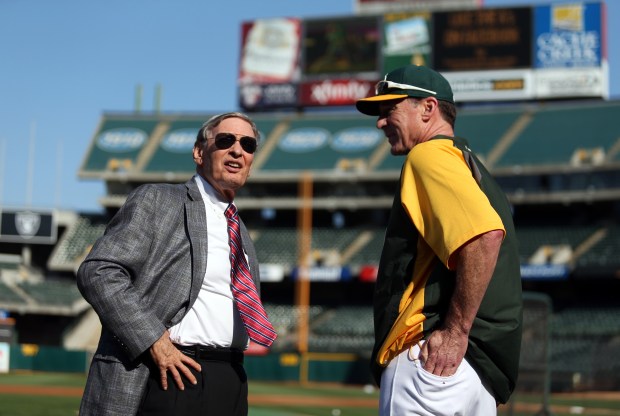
(2, 175)
(302, 287)
(30, 172)
(157, 99)
(138, 98)
(59, 163)
(26, 250)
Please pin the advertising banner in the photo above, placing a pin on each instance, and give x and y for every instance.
(485, 39)
(568, 36)
(27, 226)
(507, 53)
(271, 272)
(406, 40)
(569, 51)
(335, 92)
(516, 84)
(544, 272)
(269, 66)
(270, 51)
(341, 46)
(253, 97)
(116, 145)
(325, 274)
(383, 6)
(571, 82)
(5, 350)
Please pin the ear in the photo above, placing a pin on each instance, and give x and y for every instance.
(430, 106)
(197, 153)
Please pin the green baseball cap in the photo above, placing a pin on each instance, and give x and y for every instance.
(407, 81)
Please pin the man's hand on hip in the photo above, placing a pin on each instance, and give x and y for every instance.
(169, 359)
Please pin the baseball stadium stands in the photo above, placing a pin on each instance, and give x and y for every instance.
(286, 317)
(561, 175)
(75, 243)
(9, 297)
(553, 134)
(604, 254)
(543, 241)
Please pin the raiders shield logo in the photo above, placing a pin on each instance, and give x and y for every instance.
(27, 223)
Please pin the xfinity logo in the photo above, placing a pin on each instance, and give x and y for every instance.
(120, 140)
(341, 92)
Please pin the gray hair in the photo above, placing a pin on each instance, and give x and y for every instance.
(213, 122)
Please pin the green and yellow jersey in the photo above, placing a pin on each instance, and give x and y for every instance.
(446, 199)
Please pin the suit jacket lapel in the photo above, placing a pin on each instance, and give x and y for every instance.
(195, 218)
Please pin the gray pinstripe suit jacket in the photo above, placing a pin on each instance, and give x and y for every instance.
(141, 277)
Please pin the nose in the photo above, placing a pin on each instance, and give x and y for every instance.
(236, 148)
(381, 122)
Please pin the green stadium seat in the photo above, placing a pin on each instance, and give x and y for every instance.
(276, 246)
(556, 133)
(345, 329)
(484, 129)
(75, 242)
(9, 296)
(370, 253)
(532, 238)
(604, 254)
(52, 292)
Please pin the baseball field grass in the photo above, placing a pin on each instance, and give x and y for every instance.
(52, 394)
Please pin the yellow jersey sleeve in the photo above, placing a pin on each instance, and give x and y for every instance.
(443, 199)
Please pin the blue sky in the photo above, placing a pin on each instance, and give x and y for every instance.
(64, 63)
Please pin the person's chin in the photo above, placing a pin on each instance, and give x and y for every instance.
(397, 151)
(236, 182)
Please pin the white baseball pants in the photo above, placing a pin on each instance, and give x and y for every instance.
(409, 390)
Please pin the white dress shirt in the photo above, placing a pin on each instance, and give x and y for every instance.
(213, 320)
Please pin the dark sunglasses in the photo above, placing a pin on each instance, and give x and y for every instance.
(226, 140)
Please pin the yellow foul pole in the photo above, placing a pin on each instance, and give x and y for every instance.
(302, 287)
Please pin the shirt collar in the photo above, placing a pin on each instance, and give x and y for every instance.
(209, 193)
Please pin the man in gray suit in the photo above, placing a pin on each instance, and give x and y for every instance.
(160, 280)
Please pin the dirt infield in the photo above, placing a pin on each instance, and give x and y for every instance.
(257, 399)
(41, 390)
(296, 400)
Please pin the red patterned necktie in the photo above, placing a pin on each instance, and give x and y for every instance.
(244, 291)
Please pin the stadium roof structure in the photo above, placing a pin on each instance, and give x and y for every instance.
(520, 140)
